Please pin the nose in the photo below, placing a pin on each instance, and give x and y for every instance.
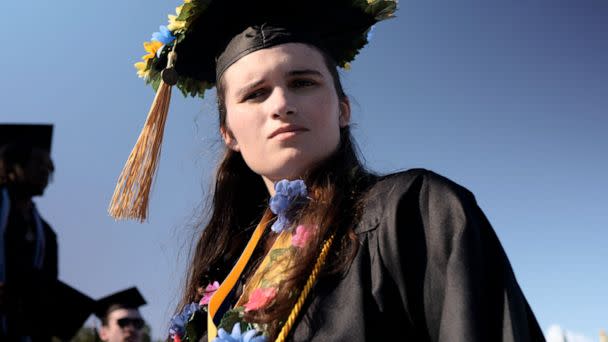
(281, 103)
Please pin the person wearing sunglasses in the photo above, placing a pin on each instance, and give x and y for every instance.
(120, 317)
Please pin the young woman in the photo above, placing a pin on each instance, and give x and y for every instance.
(302, 243)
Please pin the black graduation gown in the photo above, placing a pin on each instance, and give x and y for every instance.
(429, 268)
(27, 287)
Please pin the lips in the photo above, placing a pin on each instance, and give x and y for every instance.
(287, 129)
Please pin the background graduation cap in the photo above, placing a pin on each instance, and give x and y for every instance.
(130, 298)
(36, 135)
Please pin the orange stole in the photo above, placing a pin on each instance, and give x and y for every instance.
(228, 284)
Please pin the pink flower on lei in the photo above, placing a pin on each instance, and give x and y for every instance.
(302, 235)
(209, 291)
(259, 298)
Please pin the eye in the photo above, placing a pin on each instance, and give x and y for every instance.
(254, 95)
(303, 83)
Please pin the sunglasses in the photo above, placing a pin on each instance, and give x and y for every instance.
(136, 323)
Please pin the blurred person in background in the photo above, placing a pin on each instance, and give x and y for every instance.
(120, 318)
(28, 258)
(34, 304)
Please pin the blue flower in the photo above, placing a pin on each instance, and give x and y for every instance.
(178, 322)
(288, 194)
(164, 36)
(236, 336)
(279, 204)
(370, 33)
(280, 224)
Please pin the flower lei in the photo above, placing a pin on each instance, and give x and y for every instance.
(289, 196)
(263, 287)
(179, 24)
(185, 326)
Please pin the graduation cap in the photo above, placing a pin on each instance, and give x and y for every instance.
(205, 44)
(35, 135)
(205, 37)
(130, 298)
(201, 31)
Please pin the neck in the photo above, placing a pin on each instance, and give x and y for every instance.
(24, 204)
(269, 185)
(19, 200)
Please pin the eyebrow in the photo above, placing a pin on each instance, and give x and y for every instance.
(305, 72)
(246, 89)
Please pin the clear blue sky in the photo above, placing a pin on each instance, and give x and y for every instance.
(508, 98)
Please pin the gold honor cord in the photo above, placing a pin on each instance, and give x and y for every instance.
(220, 295)
(306, 290)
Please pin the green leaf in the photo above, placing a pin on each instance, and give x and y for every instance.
(382, 10)
(195, 326)
(155, 82)
(187, 10)
(231, 318)
(278, 253)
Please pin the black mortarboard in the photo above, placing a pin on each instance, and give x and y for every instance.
(130, 298)
(68, 309)
(205, 37)
(36, 135)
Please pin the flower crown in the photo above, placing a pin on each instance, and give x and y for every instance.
(162, 41)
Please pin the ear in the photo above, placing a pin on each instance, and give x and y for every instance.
(103, 333)
(16, 174)
(229, 139)
(344, 112)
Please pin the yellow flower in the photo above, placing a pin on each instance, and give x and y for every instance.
(141, 69)
(151, 47)
(175, 25)
(346, 66)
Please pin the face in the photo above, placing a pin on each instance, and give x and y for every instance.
(122, 326)
(38, 170)
(283, 112)
(34, 176)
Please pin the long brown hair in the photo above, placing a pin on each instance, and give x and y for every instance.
(335, 187)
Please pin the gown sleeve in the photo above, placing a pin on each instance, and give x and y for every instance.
(452, 275)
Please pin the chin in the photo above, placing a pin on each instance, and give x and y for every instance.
(37, 191)
(290, 170)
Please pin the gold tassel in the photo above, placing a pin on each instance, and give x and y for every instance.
(310, 282)
(130, 200)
